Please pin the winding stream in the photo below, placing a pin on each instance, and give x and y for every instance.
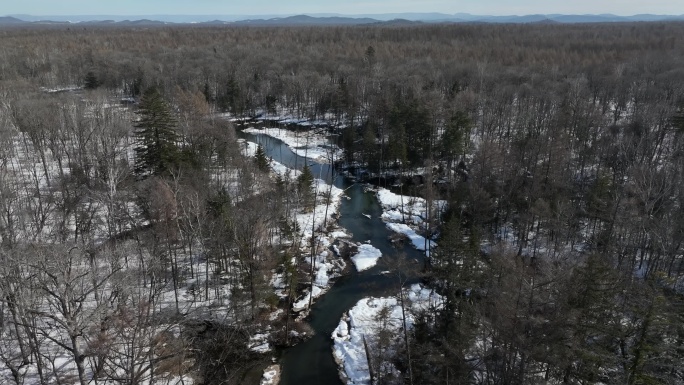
(311, 362)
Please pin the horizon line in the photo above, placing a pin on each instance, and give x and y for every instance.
(342, 14)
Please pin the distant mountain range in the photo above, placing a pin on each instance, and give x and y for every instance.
(326, 19)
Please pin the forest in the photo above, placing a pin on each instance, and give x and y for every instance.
(142, 243)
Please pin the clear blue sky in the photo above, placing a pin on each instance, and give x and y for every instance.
(270, 7)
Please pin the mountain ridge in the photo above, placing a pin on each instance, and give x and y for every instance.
(332, 19)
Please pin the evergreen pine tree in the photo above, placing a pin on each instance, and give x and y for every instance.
(156, 138)
(305, 186)
(260, 159)
(90, 81)
(456, 136)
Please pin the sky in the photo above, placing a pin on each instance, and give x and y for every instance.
(272, 7)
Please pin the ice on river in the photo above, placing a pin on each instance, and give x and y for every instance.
(366, 257)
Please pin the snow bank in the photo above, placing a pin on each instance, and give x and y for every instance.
(283, 171)
(313, 223)
(304, 302)
(317, 218)
(368, 318)
(414, 209)
(247, 148)
(259, 343)
(312, 144)
(340, 233)
(61, 89)
(405, 214)
(366, 257)
(418, 241)
(271, 375)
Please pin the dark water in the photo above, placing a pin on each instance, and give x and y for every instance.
(311, 362)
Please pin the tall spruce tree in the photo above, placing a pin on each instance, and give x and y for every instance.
(305, 185)
(456, 137)
(156, 137)
(91, 81)
(260, 159)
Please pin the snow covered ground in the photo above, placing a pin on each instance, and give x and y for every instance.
(326, 263)
(418, 241)
(247, 148)
(271, 375)
(407, 214)
(30, 176)
(305, 116)
(380, 322)
(259, 343)
(61, 89)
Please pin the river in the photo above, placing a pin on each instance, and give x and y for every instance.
(311, 362)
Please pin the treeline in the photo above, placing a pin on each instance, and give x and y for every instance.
(558, 147)
(245, 67)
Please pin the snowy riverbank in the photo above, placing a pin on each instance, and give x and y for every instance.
(312, 144)
(406, 215)
(380, 322)
(370, 316)
(317, 223)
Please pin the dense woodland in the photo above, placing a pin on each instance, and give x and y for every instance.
(559, 149)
